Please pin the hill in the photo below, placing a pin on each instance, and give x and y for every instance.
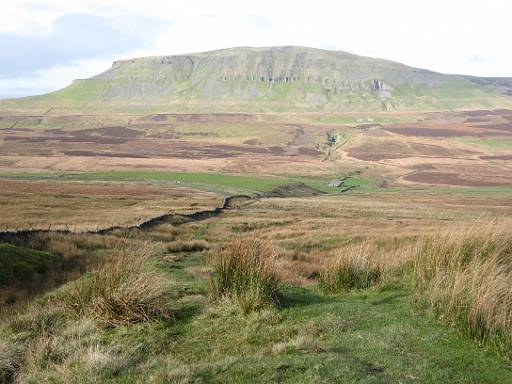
(272, 79)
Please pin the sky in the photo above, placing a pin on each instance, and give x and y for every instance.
(45, 44)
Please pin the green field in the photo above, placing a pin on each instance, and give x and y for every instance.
(239, 184)
(367, 336)
(18, 264)
(216, 182)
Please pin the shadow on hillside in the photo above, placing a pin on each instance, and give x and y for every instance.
(299, 296)
(390, 299)
(186, 312)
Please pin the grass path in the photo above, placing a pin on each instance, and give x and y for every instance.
(359, 337)
(364, 337)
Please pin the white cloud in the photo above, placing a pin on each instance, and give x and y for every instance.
(441, 35)
(258, 22)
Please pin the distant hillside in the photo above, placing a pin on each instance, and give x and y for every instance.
(270, 79)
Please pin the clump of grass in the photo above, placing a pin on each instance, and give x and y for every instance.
(466, 277)
(128, 289)
(374, 263)
(244, 270)
(25, 334)
(352, 269)
(187, 246)
(11, 355)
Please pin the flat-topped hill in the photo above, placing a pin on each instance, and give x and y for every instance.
(270, 79)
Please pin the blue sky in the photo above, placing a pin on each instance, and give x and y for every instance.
(45, 44)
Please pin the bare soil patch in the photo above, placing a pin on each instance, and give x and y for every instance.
(457, 124)
(499, 127)
(309, 151)
(201, 117)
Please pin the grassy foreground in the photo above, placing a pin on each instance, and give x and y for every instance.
(160, 318)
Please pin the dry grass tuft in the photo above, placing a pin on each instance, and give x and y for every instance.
(361, 267)
(244, 270)
(466, 277)
(128, 289)
(187, 246)
(11, 357)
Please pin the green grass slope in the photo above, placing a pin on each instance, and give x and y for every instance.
(366, 336)
(18, 264)
(270, 79)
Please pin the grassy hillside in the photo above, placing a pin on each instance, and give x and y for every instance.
(270, 79)
(18, 264)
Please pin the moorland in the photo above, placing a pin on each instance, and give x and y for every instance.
(362, 239)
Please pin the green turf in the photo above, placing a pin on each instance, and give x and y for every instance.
(235, 184)
(364, 337)
(18, 264)
(217, 182)
(360, 337)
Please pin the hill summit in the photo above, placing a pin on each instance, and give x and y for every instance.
(271, 79)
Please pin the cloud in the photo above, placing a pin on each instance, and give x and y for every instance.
(479, 59)
(258, 22)
(74, 37)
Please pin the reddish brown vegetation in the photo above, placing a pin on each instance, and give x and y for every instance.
(450, 178)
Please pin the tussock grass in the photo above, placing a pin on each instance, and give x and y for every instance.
(11, 355)
(353, 270)
(187, 246)
(466, 277)
(27, 340)
(361, 267)
(244, 270)
(128, 289)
